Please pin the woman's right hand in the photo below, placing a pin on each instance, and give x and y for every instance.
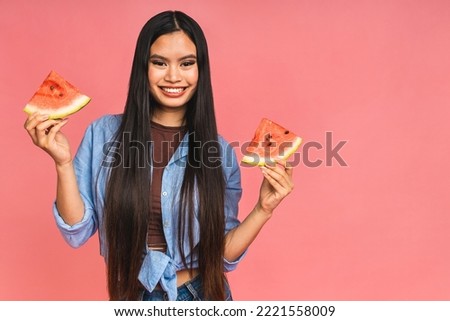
(46, 134)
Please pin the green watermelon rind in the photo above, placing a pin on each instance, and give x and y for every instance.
(57, 113)
(260, 161)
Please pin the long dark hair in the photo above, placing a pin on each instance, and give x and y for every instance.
(127, 203)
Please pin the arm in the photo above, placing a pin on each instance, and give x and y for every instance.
(68, 199)
(240, 238)
(46, 134)
(276, 185)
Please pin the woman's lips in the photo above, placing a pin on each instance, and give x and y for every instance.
(173, 91)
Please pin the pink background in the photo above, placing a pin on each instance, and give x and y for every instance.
(374, 73)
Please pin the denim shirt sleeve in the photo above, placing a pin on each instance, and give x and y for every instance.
(77, 234)
(233, 193)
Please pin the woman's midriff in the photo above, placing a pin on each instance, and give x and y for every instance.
(186, 275)
(182, 277)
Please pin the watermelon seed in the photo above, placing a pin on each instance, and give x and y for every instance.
(60, 95)
(286, 132)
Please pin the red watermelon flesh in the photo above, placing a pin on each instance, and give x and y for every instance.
(57, 98)
(271, 142)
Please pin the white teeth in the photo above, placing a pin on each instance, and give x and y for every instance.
(173, 90)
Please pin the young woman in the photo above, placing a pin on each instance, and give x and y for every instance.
(158, 183)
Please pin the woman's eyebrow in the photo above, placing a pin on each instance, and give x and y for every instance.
(156, 56)
(191, 56)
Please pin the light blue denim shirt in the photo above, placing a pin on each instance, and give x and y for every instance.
(92, 173)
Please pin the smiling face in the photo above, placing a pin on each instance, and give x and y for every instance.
(172, 73)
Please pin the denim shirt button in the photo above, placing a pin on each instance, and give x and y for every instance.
(164, 193)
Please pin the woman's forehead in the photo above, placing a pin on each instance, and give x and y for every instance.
(173, 44)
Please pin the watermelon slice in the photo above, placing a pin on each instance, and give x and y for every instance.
(271, 142)
(57, 98)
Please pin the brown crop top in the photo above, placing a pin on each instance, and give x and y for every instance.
(165, 142)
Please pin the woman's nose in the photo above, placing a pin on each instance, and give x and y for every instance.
(173, 74)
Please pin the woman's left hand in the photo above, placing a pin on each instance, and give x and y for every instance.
(277, 184)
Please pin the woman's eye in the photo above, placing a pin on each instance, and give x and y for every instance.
(188, 63)
(157, 63)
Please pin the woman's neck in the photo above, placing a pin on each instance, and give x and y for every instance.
(169, 117)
